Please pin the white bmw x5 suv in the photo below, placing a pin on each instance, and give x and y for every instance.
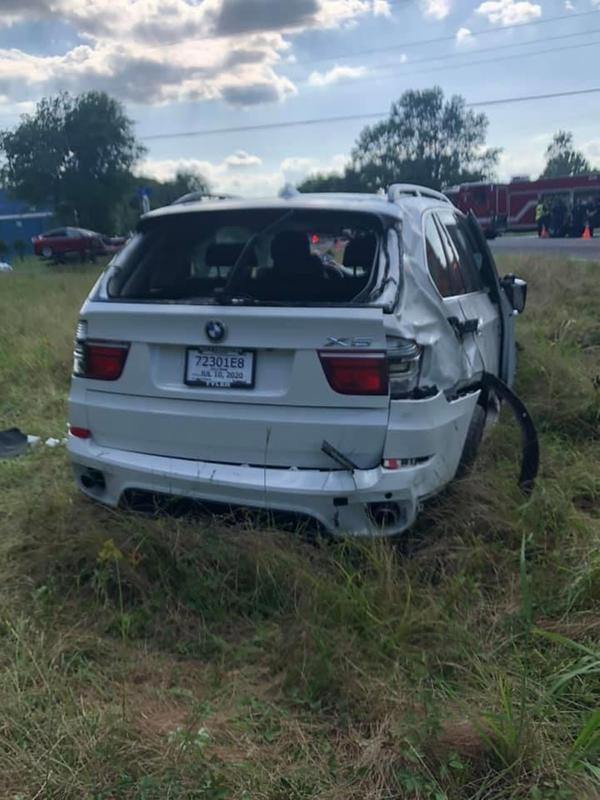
(316, 354)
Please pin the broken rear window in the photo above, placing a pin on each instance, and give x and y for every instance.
(255, 256)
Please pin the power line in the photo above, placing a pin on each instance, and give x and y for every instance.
(449, 38)
(356, 117)
(402, 70)
(446, 56)
(390, 48)
(437, 39)
(527, 98)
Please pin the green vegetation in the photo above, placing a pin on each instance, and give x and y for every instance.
(70, 145)
(426, 139)
(187, 658)
(562, 159)
(74, 153)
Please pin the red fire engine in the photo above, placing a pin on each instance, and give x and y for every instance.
(511, 206)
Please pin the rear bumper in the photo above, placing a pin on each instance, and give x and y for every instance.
(341, 502)
(425, 437)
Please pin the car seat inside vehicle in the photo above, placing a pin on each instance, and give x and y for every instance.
(291, 256)
(360, 254)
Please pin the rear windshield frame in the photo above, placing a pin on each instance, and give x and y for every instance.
(368, 221)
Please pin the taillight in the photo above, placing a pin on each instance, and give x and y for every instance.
(404, 365)
(97, 360)
(80, 433)
(356, 373)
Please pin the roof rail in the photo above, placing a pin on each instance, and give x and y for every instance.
(396, 190)
(201, 197)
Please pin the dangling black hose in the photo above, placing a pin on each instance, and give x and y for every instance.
(530, 461)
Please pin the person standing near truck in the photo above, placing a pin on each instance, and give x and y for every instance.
(578, 219)
(558, 216)
(540, 216)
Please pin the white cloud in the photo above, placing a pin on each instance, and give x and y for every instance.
(295, 169)
(382, 8)
(247, 183)
(160, 51)
(335, 75)
(524, 157)
(464, 36)
(591, 150)
(509, 12)
(569, 6)
(160, 20)
(242, 159)
(436, 9)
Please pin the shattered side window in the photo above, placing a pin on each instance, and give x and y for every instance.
(437, 261)
(467, 264)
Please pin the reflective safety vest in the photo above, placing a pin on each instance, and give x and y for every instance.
(539, 212)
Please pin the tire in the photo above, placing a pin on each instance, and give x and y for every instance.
(473, 441)
(47, 252)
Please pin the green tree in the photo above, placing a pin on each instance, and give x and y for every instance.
(184, 183)
(425, 140)
(348, 181)
(562, 159)
(75, 153)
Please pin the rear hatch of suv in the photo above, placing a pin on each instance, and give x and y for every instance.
(242, 337)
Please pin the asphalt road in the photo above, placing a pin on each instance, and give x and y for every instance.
(580, 249)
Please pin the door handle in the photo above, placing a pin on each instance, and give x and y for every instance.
(463, 327)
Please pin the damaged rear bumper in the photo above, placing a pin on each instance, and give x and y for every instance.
(367, 502)
(425, 447)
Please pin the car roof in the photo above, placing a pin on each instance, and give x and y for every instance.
(400, 199)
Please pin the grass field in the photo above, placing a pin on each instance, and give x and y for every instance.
(181, 658)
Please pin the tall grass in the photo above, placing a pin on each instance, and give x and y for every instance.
(186, 658)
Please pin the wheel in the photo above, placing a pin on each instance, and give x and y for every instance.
(473, 441)
(47, 252)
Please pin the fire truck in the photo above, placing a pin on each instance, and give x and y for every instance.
(511, 206)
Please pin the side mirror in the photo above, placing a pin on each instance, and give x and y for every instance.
(516, 291)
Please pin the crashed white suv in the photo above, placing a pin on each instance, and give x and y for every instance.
(317, 354)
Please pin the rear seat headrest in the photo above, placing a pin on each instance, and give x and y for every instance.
(226, 255)
(360, 251)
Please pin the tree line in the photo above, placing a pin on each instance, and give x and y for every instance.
(77, 155)
(436, 143)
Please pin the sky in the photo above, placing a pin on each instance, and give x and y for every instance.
(190, 65)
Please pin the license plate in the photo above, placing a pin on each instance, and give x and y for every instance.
(219, 368)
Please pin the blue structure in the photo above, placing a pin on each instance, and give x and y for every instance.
(19, 222)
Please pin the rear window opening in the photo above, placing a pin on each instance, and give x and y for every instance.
(290, 257)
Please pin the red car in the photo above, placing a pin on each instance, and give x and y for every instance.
(63, 243)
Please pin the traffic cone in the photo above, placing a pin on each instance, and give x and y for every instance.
(545, 234)
(587, 234)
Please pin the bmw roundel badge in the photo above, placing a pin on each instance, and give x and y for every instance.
(215, 331)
